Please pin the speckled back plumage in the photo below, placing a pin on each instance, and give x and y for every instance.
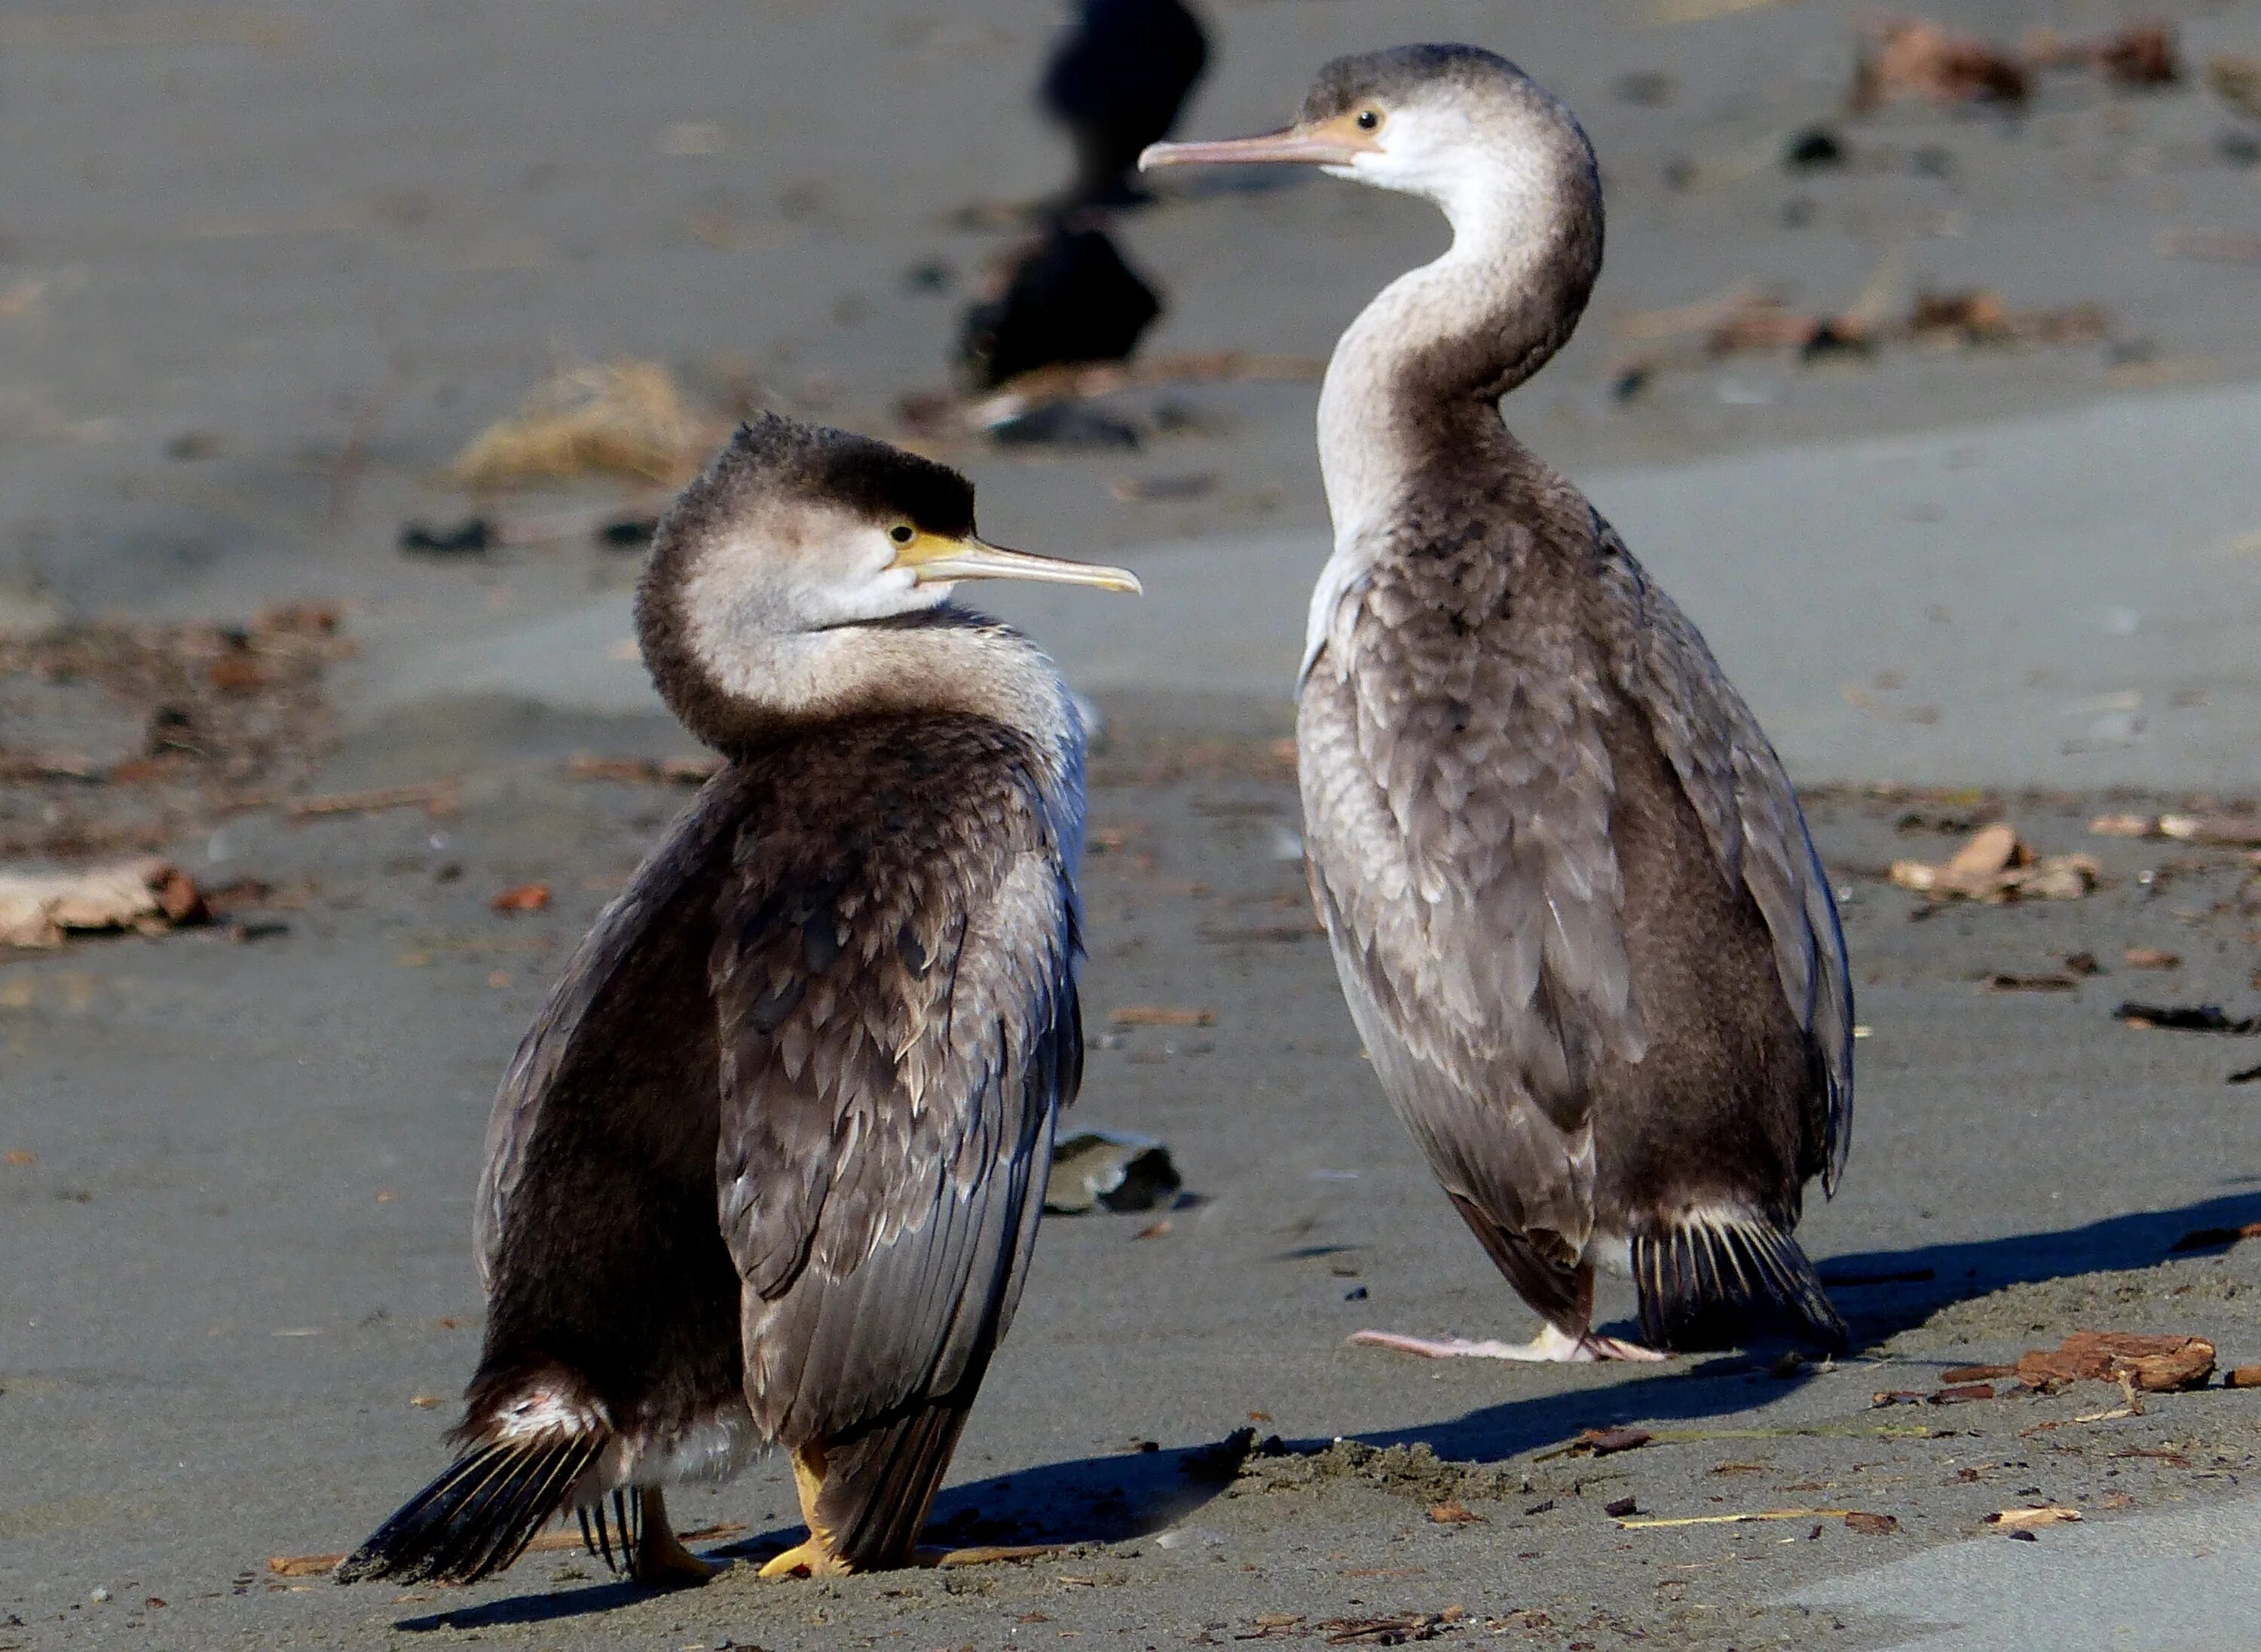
(858, 947)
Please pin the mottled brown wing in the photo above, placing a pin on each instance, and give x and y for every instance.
(899, 1026)
(584, 1050)
(1751, 816)
(1457, 795)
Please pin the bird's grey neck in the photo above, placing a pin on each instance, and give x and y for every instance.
(737, 685)
(1419, 373)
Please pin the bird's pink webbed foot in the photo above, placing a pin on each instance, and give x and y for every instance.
(1551, 1346)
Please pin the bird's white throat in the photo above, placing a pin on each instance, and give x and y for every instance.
(1376, 412)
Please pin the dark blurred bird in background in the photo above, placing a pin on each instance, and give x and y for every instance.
(1068, 297)
(1117, 83)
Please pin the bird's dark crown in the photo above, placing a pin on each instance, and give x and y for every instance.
(775, 459)
(1397, 73)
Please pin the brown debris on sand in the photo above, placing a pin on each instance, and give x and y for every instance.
(148, 897)
(187, 723)
(2015, 1520)
(1995, 866)
(622, 417)
(2187, 1018)
(1746, 318)
(2003, 980)
(1607, 1442)
(2205, 1239)
(2226, 830)
(2141, 54)
(2156, 1365)
(686, 771)
(1974, 316)
(1160, 1016)
(435, 797)
(1391, 1630)
(526, 897)
(1914, 58)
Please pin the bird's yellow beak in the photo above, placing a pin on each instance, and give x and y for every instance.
(935, 560)
(1337, 143)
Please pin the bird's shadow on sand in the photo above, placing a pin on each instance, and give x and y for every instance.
(1122, 1497)
(1880, 1293)
(1089, 1500)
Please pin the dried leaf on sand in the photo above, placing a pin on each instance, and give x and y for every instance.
(150, 896)
(1914, 58)
(1994, 865)
(2157, 1365)
(2027, 1519)
(621, 417)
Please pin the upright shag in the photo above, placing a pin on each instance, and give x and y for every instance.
(768, 1167)
(1572, 902)
(1117, 83)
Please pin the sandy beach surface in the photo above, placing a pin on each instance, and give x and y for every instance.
(265, 269)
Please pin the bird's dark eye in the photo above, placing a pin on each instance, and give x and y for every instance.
(902, 533)
(1368, 119)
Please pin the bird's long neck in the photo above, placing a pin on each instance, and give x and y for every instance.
(738, 685)
(1419, 373)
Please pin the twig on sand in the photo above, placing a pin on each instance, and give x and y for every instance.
(439, 796)
(1644, 1522)
(1837, 1431)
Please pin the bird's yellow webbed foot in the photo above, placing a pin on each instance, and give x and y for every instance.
(815, 1556)
(660, 1561)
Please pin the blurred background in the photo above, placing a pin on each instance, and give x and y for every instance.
(267, 272)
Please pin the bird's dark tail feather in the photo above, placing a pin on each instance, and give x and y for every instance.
(479, 1516)
(879, 1486)
(1711, 1278)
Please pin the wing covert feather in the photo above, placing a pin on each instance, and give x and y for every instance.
(893, 975)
